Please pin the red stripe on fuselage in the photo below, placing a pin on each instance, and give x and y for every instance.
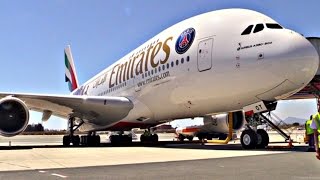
(188, 130)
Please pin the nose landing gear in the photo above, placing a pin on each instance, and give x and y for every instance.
(251, 139)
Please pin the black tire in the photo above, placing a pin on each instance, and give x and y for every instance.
(262, 138)
(248, 139)
(96, 140)
(66, 141)
(142, 138)
(125, 139)
(181, 137)
(90, 141)
(83, 140)
(155, 138)
(114, 139)
(76, 140)
(128, 139)
(190, 138)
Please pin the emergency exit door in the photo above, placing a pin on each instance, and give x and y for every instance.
(205, 54)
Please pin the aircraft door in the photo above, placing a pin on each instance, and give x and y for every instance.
(205, 54)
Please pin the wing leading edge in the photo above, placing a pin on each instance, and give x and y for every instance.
(98, 109)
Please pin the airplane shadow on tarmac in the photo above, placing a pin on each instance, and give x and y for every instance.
(173, 144)
(236, 147)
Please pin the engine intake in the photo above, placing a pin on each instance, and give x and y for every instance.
(238, 120)
(220, 123)
(14, 116)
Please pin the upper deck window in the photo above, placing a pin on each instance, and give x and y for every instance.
(273, 26)
(247, 30)
(259, 27)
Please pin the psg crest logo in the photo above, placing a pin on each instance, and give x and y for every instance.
(185, 40)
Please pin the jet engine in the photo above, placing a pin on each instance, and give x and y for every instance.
(220, 123)
(14, 116)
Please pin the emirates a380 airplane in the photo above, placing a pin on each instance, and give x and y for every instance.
(225, 61)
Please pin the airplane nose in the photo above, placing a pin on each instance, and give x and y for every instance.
(291, 65)
(303, 61)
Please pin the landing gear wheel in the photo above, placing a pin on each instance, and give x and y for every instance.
(263, 138)
(181, 137)
(120, 139)
(90, 140)
(76, 140)
(94, 140)
(66, 140)
(114, 139)
(143, 138)
(248, 139)
(155, 138)
(152, 138)
(190, 138)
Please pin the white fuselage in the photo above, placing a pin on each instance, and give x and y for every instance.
(221, 71)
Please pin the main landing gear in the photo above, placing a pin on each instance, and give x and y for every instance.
(149, 137)
(90, 140)
(120, 138)
(182, 137)
(87, 140)
(71, 138)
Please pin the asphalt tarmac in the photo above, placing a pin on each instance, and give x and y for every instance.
(165, 161)
(295, 165)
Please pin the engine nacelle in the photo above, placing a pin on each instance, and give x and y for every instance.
(14, 116)
(220, 123)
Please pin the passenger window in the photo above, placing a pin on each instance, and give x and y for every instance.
(247, 30)
(258, 28)
(273, 26)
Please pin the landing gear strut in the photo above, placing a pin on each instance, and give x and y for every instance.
(71, 138)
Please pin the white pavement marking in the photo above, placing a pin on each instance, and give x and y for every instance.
(59, 175)
(42, 171)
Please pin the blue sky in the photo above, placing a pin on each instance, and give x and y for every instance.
(34, 33)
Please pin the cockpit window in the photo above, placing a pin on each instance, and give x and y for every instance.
(273, 26)
(247, 30)
(259, 27)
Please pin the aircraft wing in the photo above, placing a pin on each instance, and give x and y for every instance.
(85, 107)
